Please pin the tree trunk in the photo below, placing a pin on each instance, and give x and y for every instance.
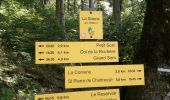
(75, 6)
(91, 4)
(117, 15)
(154, 52)
(63, 13)
(155, 38)
(60, 12)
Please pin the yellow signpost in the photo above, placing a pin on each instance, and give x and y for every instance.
(76, 52)
(110, 94)
(104, 76)
(91, 25)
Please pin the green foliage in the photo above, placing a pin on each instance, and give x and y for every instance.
(72, 27)
(20, 27)
(26, 88)
(6, 92)
(132, 23)
(23, 26)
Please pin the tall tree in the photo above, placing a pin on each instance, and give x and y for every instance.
(60, 10)
(117, 15)
(63, 13)
(154, 51)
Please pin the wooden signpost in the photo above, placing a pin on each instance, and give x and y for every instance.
(110, 94)
(76, 52)
(91, 27)
(104, 76)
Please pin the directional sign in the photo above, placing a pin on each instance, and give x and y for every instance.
(111, 94)
(76, 52)
(104, 76)
(91, 25)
